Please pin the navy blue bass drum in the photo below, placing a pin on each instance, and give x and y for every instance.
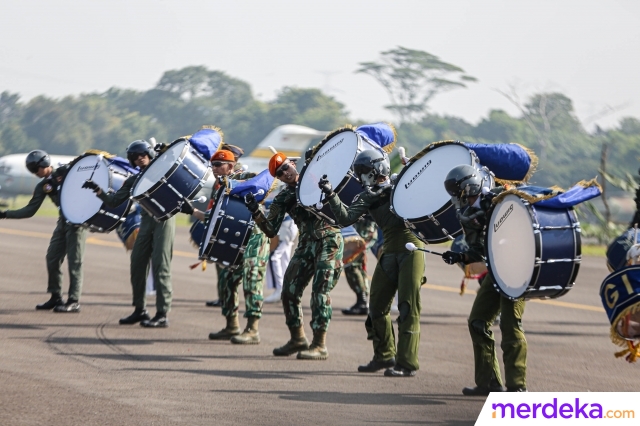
(227, 230)
(171, 178)
(532, 252)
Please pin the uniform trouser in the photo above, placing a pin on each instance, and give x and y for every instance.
(401, 272)
(220, 284)
(318, 259)
(155, 243)
(67, 240)
(356, 274)
(485, 308)
(251, 274)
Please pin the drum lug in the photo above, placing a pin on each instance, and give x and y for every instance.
(222, 241)
(434, 220)
(237, 234)
(233, 246)
(225, 230)
(231, 218)
(244, 222)
(157, 204)
(409, 224)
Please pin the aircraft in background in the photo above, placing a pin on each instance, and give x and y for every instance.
(290, 139)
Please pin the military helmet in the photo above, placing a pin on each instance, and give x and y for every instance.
(371, 164)
(36, 159)
(138, 147)
(462, 182)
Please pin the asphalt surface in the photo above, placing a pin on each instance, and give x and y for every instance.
(86, 369)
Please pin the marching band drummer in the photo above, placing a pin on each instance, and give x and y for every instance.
(251, 274)
(356, 271)
(318, 257)
(154, 242)
(397, 270)
(474, 202)
(67, 240)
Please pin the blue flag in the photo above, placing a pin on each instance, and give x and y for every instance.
(123, 163)
(206, 142)
(508, 161)
(382, 134)
(262, 181)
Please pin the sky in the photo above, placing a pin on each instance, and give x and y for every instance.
(587, 50)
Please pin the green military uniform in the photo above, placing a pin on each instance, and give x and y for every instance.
(318, 257)
(356, 271)
(251, 274)
(155, 243)
(487, 305)
(66, 240)
(397, 270)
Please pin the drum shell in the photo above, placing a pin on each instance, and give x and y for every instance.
(128, 230)
(354, 244)
(182, 181)
(106, 218)
(617, 250)
(197, 233)
(620, 294)
(232, 228)
(557, 241)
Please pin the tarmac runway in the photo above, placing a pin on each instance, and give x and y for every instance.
(85, 369)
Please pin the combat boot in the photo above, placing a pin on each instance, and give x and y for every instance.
(160, 320)
(139, 314)
(250, 335)
(360, 308)
(298, 342)
(232, 329)
(71, 306)
(317, 350)
(55, 300)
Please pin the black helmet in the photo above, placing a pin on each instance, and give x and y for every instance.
(138, 147)
(369, 165)
(36, 159)
(463, 182)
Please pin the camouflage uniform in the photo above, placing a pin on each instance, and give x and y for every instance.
(397, 270)
(318, 256)
(356, 271)
(155, 243)
(251, 274)
(67, 240)
(487, 305)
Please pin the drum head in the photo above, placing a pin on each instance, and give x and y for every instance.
(158, 168)
(80, 204)
(511, 246)
(419, 190)
(334, 159)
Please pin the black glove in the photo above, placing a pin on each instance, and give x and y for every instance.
(160, 147)
(186, 208)
(3, 215)
(451, 257)
(308, 153)
(251, 202)
(89, 184)
(325, 186)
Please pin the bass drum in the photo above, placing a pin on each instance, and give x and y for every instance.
(532, 252)
(80, 206)
(418, 195)
(354, 244)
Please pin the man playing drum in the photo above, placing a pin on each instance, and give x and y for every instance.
(318, 257)
(154, 243)
(397, 270)
(250, 274)
(67, 240)
(356, 271)
(471, 196)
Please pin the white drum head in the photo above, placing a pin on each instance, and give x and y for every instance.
(158, 169)
(79, 204)
(511, 246)
(334, 159)
(420, 191)
(214, 219)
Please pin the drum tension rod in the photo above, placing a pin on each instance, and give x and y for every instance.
(432, 218)
(184, 166)
(538, 261)
(153, 200)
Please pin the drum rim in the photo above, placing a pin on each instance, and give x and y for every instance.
(442, 209)
(531, 210)
(153, 188)
(86, 224)
(342, 183)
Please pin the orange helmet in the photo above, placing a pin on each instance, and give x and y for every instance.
(223, 155)
(275, 162)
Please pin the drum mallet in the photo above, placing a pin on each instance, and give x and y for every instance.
(319, 204)
(100, 157)
(412, 247)
(404, 159)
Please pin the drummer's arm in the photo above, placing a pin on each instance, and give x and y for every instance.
(347, 216)
(198, 215)
(270, 225)
(120, 196)
(34, 204)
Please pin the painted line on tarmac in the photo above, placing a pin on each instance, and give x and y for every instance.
(545, 302)
(90, 240)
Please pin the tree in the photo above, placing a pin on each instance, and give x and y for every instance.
(412, 78)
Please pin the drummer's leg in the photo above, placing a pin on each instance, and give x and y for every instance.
(514, 344)
(356, 276)
(254, 276)
(328, 267)
(296, 279)
(378, 324)
(76, 237)
(231, 280)
(161, 256)
(139, 268)
(55, 256)
(484, 310)
(411, 270)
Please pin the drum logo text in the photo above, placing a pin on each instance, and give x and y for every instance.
(502, 219)
(417, 175)
(329, 150)
(86, 168)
